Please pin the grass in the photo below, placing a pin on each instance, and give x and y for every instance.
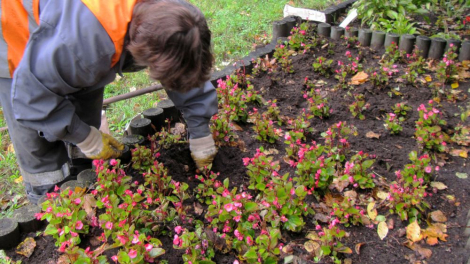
(236, 27)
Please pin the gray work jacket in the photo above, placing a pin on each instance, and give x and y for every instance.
(71, 52)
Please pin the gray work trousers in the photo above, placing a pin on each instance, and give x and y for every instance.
(43, 164)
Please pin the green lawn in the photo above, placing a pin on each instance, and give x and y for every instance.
(236, 27)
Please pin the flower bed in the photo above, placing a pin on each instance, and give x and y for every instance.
(329, 152)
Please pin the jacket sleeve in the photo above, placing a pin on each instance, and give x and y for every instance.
(198, 106)
(69, 52)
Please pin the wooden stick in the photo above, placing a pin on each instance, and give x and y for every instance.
(121, 97)
(131, 94)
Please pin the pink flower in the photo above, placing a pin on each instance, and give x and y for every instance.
(284, 219)
(148, 247)
(249, 240)
(122, 239)
(77, 201)
(114, 258)
(113, 162)
(229, 207)
(178, 229)
(79, 225)
(177, 241)
(39, 216)
(135, 240)
(238, 235)
(109, 225)
(428, 169)
(132, 253)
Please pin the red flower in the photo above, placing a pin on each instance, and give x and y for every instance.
(466, 20)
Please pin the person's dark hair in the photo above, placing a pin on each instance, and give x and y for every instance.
(172, 38)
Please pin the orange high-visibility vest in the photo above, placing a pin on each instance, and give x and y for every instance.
(19, 18)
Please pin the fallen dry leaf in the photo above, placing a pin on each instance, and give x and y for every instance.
(359, 78)
(372, 134)
(390, 223)
(459, 153)
(413, 232)
(382, 230)
(271, 151)
(339, 184)
(351, 194)
(464, 74)
(347, 261)
(358, 247)
(89, 203)
(454, 85)
(438, 216)
(439, 185)
(423, 252)
(311, 246)
(19, 179)
(198, 209)
(235, 127)
(26, 248)
(435, 231)
(382, 195)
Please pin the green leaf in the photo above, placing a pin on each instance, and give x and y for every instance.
(251, 206)
(82, 261)
(251, 254)
(155, 252)
(392, 14)
(326, 250)
(261, 186)
(123, 257)
(226, 183)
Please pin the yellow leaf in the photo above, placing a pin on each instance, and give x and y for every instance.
(10, 148)
(454, 85)
(459, 153)
(359, 78)
(428, 78)
(413, 232)
(382, 230)
(311, 246)
(438, 216)
(313, 236)
(19, 179)
(26, 248)
(439, 185)
(371, 211)
(382, 195)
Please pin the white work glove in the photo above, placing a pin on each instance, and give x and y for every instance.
(98, 145)
(203, 151)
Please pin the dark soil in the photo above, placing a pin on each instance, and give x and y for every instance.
(391, 153)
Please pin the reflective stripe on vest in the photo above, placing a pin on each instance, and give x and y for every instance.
(114, 16)
(19, 18)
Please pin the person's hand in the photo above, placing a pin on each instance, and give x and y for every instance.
(98, 145)
(203, 151)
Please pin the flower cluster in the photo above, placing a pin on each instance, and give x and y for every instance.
(358, 106)
(317, 104)
(221, 129)
(323, 66)
(393, 123)
(428, 132)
